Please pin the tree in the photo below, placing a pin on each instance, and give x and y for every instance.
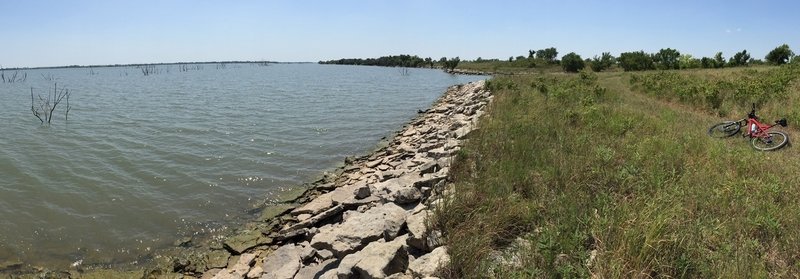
(548, 54)
(719, 61)
(739, 59)
(451, 64)
(686, 61)
(44, 107)
(572, 62)
(531, 53)
(603, 62)
(429, 61)
(667, 58)
(780, 55)
(635, 61)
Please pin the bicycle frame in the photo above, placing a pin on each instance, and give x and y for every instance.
(756, 129)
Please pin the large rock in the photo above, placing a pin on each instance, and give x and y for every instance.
(246, 240)
(407, 195)
(283, 263)
(376, 260)
(418, 231)
(429, 264)
(315, 271)
(380, 222)
(315, 206)
(238, 270)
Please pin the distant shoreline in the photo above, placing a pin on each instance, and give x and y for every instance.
(150, 64)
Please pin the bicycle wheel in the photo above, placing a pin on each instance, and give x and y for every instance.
(724, 129)
(774, 141)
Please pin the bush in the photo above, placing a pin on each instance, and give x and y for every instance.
(603, 62)
(780, 55)
(572, 62)
(635, 61)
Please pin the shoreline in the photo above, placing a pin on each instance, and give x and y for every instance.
(333, 223)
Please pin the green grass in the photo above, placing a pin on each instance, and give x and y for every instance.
(576, 163)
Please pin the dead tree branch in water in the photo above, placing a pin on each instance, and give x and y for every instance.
(47, 104)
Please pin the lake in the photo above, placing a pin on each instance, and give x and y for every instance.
(146, 159)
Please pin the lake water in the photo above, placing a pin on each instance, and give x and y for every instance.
(144, 160)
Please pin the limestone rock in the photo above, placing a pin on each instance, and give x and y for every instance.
(283, 263)
(376, 260)
(314, 271)
(317, 205)
(429, 264)
(380, 222)
(407, 195)
(417, 230)
(246, 240)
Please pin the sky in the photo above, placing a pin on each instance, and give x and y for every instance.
(40, 33)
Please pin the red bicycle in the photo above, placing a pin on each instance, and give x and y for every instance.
(760, 136)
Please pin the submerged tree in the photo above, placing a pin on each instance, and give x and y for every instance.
(45, 106)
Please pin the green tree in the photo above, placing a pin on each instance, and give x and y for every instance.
(572, 62)
(451, 64)
(635, 61)
(667, 58)
(548, 54)
(605, 61)
(719, 61)
(780, 55)
(741, 58)
(686, 61)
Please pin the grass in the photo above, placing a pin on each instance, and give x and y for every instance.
(566, 166)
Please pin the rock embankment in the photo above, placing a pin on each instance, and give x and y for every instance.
(369, 219)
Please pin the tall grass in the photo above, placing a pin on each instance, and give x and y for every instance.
(576, 165)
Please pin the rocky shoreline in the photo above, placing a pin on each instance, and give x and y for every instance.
(367, 219)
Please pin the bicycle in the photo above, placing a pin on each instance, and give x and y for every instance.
(760, 136)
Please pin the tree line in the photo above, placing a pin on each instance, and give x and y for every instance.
(403, 60)
(664, 59)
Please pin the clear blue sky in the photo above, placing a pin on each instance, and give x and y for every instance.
(89, 32)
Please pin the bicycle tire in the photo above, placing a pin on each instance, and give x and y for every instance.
(724, 129)
(777, 140)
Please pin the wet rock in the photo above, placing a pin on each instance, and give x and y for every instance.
(274, 210)
(217, 259)
(238, 270)
(313, 220)
(283, 263)
(429, 264)
(380, 222)
(246, 240)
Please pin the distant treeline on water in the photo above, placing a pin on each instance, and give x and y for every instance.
(386, 61)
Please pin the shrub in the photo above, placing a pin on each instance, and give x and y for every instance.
(572, 62)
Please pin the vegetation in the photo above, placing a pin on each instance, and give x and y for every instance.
(572, 63)
(450, 64)
(780, 55)
(403, 60)
(604, 176)
(44, 107)
(605, 61)
(636, 61)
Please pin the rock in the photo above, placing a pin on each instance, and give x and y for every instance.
(429, 264)
(245, 240)
(418, 231)
(405, 147)
(463, 132)
(209, 274)
(437, 153)
(407, 195)
(274, 210)
(429, 180)
(283, 263)
(255, 272)
(316, 270)
(239, 270)
(434, 239)
(380, 222)
(430, 166)
(362, 191)
(376, 260)
(400, 276)
(315, 206)
(217, 259)
(313, 220)
(324, 254)
(410, 132)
